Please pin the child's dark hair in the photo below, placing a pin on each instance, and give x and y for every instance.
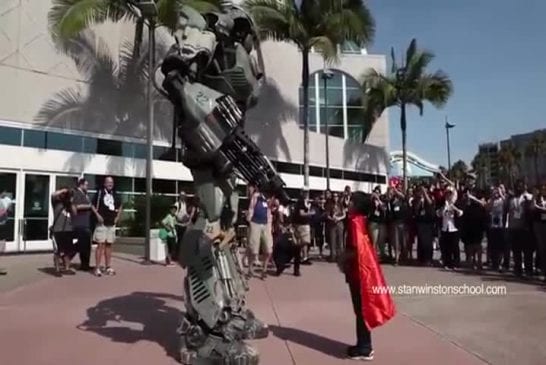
(361, 202)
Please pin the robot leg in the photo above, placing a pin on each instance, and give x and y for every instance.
(209, 333)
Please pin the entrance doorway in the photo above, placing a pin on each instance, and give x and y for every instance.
(25, 208)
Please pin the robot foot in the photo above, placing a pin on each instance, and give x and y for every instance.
(254, 329)
(218, 351)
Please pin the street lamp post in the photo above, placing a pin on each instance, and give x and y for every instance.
(448, 127)
(148, 10)
(326, 75)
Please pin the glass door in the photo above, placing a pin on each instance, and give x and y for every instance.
(35, 221)
(8, 221)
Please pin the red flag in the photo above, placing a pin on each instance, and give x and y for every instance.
(377, 303)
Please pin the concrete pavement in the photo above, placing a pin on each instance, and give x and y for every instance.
(131, 318)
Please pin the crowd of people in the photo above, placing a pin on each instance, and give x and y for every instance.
(497, 228)
(77, 217)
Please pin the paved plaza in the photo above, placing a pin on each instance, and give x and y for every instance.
(131, 318)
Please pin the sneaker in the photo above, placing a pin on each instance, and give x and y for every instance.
(355, 353)
(110, 271)
(3, 271)
(98, 272)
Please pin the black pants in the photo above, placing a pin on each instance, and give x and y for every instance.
(425, 238)
(180, 230)
(522, 244)
(65, 247)
(498, 248)
(297, 258)
(449, 245)
(318, 236)
(363, 335)
(83, 235)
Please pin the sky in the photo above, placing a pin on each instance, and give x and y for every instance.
(494, 52)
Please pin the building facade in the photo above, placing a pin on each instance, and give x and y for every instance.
(531, 168)
(490, 151)
(64, 115)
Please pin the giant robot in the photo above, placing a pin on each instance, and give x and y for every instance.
(211, 77)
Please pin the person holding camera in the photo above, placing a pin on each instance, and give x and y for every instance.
(61, 230)
(449, 235)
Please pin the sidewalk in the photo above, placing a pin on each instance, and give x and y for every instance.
(131, 319)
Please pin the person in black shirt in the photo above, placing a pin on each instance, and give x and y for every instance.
(109, 208)
(473, 225)
(377, 223)
(302, 221)
(318, 221)
(424, 215)
(396, 210)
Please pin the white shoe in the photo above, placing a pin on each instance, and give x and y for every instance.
(98, 272)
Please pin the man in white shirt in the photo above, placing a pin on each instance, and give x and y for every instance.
(519, 234)
(449, 237)
(183, 219)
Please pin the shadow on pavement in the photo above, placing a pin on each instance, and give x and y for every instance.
(50, 271)
(140, 316)
(508, 277)
(312, 341)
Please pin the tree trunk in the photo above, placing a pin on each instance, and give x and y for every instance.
(305, 116)
(139, 30)
(404, 148)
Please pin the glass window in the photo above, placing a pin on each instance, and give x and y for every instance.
(140, 150)
(65, 182)
(350, 47)
(334, 115)
(336, 131)
(32, 138)
(10, 136)
(316, 171)
(64, 142)
(289, 168)
(89, 145)
(140, 185)
(124, 184)
(127, 149)
(336, 174)
(94, 181)
(335, 81)
(163, 186)
(164, 153)
(312, 118)
(109, 147)
(334, 96)
(186, 187)
(356, 133)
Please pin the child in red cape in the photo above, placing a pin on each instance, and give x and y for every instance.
(373, 307)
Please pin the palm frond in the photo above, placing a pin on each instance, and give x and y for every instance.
(66, 106)
(417, 65)
(272, 18)
(86, 50)
(67, 18)
(435, 88)
(410, 52)
(326, 46)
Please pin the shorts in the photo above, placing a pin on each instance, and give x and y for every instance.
(104, 234)
(258, 234)
(303, 235)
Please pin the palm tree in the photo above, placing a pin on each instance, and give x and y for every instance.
(509, 159)
(458, 170)
(114, 98)
(67, 18)
(405, 85)
(480, 165)
(319, 25)
(535, 149)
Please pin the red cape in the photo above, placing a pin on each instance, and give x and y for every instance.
(377, 307)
